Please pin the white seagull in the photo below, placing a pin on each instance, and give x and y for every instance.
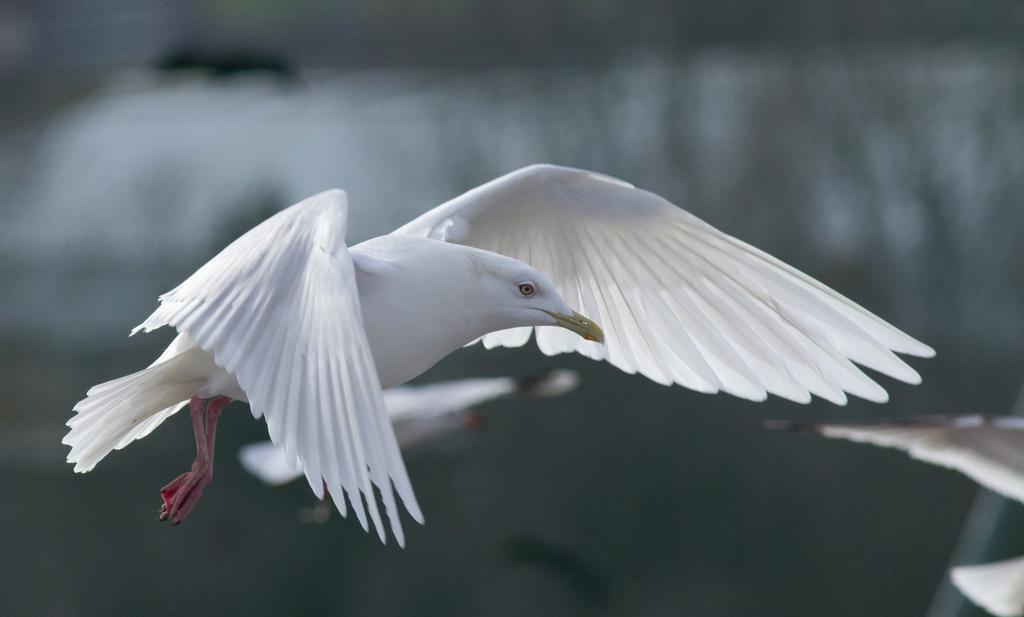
(309, 331)
(420, 414)
(989, 450)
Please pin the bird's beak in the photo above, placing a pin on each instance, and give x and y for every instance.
(579, 324)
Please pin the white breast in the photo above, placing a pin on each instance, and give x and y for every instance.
(411, 321)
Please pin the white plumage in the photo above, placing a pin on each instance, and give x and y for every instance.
(988, 450)
(309, 331)
(681, 302)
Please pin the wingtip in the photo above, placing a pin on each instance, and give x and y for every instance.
(910, 376)
(145, 327)
(414, 511)
(757, 395)
(874, 393)
(398, 532)
(837, 397)
(554, 383)
(365, 524)
(920, 350)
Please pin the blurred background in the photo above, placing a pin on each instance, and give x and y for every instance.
(876, 145)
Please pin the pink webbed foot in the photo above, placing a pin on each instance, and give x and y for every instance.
(181, 494)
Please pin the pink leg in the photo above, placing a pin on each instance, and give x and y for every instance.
(183, 492)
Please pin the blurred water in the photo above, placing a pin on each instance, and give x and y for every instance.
(896, 179)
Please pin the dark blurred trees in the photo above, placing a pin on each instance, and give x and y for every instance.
(46, 35)
(488, 32)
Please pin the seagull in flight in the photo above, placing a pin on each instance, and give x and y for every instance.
(309, 331)
(989, 450)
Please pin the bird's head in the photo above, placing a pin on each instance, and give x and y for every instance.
(518, 295)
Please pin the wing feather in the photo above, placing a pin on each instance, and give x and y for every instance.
(990, 451)
(279, 310)
(680, 301)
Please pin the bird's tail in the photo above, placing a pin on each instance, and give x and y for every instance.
(115, 413)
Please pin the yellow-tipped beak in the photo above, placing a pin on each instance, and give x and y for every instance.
(580, 325)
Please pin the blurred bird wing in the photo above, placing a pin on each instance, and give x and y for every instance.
(421, 413)
(266, 461)
(279, 310)
(997, 587)
(418, 413)
(412, 431)
(439, 399)
(679, 301)
(988, 450)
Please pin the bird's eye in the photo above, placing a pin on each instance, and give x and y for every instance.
(527, 289)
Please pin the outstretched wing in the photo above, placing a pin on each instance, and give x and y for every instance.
(279, 310)
(990, 451)
(680, 301)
